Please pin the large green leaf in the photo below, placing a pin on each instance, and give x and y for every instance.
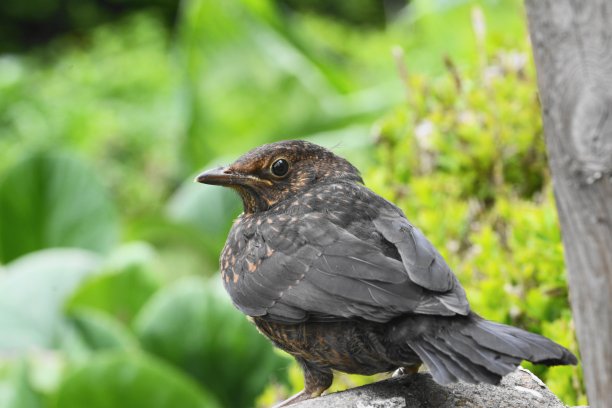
(54, 200)
(15, 388)
(130, 381)
(33, 290)
(100, 331)
(207, 210)
(193, 325)
(124, 286)
(181, 248)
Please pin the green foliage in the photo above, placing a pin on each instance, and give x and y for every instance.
(119, 292)
(210, 341)
(130, 381)
(252, 52)
(53, 200)
(114, 100)
(15, 389)
(99, 331)
(313, 71)
(220, 206)
(33, 291)
(362, 12)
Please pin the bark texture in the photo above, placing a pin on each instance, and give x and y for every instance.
(520, 389)
(572, 45)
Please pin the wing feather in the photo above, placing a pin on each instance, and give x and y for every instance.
(309, 266)
(423, 263)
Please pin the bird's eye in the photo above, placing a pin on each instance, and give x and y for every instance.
(280, 167)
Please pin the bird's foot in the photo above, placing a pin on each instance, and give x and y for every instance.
(299, 397)
(408, 370)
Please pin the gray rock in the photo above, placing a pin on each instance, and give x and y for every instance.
(520, 389)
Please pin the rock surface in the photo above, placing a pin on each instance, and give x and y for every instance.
(520, 389)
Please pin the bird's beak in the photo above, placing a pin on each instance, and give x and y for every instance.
(224, 176)
(219, 176)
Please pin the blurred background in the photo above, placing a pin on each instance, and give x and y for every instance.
(109, 295)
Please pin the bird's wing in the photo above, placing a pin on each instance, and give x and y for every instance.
(423, 263)
(316, 268)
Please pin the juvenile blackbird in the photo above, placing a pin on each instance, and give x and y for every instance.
(336, 276)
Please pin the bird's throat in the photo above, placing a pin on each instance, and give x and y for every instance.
(252, 201)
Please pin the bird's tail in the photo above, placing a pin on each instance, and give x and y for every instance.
(474, 350)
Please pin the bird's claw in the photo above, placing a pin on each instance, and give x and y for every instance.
(300, 396)
(408, 370)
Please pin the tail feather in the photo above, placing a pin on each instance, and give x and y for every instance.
(465, 368)
(435, 363)
(498, 363)
(452, 364)
(494, 338)
(533, 347)
(471, 349)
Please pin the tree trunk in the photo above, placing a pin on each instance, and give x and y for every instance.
(572, 45)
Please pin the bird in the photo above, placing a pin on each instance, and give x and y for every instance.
(336, 276)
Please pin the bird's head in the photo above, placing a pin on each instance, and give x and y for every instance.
(271, 173)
